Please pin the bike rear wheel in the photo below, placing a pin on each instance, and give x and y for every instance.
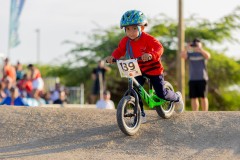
(166, 110)
(128, 116)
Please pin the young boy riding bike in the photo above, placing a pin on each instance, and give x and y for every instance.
(138, 43)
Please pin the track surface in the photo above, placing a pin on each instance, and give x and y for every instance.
(77, 133)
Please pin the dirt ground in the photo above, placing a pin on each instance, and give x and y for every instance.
(83, 133)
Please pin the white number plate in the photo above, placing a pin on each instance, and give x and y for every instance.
(129, 68)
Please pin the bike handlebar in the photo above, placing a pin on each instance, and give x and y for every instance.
(139, 58)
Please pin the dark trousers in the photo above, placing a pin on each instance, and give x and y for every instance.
(158, 85)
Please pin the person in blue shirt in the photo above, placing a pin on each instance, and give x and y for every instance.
(14, 99)
(198, 76)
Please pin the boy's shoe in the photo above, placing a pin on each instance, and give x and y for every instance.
(143, 119)
(133, 120)
(179, 106)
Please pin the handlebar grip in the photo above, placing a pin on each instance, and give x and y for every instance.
(139, 58)
(114, 60)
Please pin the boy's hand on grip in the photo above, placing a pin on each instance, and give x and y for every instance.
(109, 59)
(146, 57)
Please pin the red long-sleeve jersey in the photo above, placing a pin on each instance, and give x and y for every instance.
(145, 44)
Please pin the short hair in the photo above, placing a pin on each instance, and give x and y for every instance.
(6, 59)
(30, 66)
(13, 89)
(106, 92)
(196, 40)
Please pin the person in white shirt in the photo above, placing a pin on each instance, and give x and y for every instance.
(55, 94)
(106, 102)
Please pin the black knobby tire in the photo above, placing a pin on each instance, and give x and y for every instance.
(128, 116)
(166, 110)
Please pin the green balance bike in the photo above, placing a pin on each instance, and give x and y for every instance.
(128, 109)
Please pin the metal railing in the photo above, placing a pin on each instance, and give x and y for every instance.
(75, 94)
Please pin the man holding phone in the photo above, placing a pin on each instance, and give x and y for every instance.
(198, 77)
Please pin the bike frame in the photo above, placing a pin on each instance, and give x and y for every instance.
(150, 98)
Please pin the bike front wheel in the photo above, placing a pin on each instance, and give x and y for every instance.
(167, 108)
(128, 116)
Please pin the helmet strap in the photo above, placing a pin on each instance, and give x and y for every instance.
(129, 52)
(139, 31)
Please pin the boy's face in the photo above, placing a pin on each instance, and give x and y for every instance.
(132, 32)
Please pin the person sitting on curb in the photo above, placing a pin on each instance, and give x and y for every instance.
(106, 102)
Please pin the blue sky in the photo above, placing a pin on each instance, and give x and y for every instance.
(60, 20)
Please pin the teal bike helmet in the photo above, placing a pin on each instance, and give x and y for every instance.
(133, 17)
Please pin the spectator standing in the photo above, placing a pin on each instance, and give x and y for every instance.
(9, 71)
(25, 86)
(37, 81)
(198, 77)
(99, 84)
(2, 93)
(19, 71)
(106, 102)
